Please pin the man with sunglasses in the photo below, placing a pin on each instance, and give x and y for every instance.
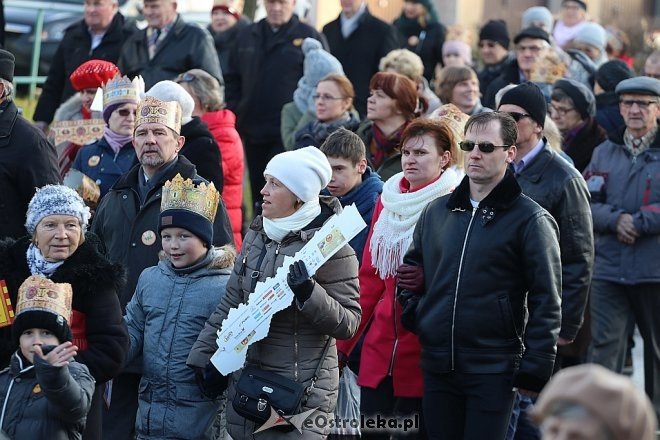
(624, 181)
(558, 187)
(488, 255)
(494, 51)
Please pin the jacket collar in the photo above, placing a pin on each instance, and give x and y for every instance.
(617, 138)
(534, 171)
(8, 118)
(129, 180)
(500, 198)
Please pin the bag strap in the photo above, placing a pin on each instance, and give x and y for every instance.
(315, 377)
(255, 273)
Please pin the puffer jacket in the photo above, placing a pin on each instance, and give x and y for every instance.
(222, 125)
(620, 183)
(484, 268)
(560, 189)
(297, 335)
(164, 318)
(102, 165)
(44, 402)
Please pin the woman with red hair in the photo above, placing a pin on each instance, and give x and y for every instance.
(392, 104)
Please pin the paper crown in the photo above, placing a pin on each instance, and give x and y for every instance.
(183, 194)
(121, 89)
(154, 110)
(41, 294)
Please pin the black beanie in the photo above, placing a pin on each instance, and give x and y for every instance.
(528, 96)
(53, 322)
(7, 62)
(535, 33)
(188, 220)
(611, 73)
(583, 98)
(495, 30)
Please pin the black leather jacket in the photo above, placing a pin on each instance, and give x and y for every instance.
(559, 188)
(485, 268)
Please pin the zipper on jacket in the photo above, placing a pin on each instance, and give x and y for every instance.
(458, 281)
(390, 370)
(295, 342)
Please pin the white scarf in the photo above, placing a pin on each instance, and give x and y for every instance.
(278, 228)
(38, 264)
(394, 228)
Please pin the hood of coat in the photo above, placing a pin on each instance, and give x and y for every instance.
(221, 118)
(223, 257)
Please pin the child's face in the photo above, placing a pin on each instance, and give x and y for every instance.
(182, 246)
(345, 175)
(35, 336)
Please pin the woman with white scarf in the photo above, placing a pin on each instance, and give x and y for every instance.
(390, 377)
(326, 304)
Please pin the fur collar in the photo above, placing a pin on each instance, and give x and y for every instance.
(500, 198)
(224, 257)
(69, 110)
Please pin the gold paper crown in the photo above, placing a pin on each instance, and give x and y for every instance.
(183, 194)
(120, 89)
(39, 293)
(161, 112)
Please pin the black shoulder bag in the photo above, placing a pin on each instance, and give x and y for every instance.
(258, 390)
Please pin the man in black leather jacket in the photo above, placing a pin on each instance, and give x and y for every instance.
(559, 187)
(490, 255)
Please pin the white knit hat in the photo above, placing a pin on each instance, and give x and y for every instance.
(171, 91)
(55, 200)
(305, 172)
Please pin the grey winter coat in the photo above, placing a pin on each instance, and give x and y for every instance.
(164, 318)
(620, 183)
(44, 402)
(297, 335)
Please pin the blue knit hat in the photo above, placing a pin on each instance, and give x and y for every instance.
(55, 200)
(317, 65)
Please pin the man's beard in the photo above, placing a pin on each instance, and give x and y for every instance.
(152, 161)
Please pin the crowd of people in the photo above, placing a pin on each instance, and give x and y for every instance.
(512, 204)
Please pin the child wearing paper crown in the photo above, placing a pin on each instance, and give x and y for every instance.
(46, 394)
(171, 304)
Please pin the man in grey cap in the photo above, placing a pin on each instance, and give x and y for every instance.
(558, 187)
(27, 159)
(623, 178)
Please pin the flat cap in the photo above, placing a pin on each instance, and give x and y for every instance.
(532, 32)
(643, 85)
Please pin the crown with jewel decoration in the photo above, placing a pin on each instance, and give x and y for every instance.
(38, 293)
(167, 113)
(121, 89)
(202, 199)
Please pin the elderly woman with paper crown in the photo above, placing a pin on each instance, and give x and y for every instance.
(171, 304)
(325, 305)
(105, 160)
(46, 393)
(75, 123)
(60, 249)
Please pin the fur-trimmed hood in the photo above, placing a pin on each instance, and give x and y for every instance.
(223, 258)
(69, 110)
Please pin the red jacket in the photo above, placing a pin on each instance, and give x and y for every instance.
(388, 348)
(222, 125)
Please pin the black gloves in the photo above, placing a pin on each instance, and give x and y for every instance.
(299, 281)
(411, 277)
(210, 382)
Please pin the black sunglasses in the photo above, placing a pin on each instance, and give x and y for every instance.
(484, 147)
(518, 116)
(124, 112)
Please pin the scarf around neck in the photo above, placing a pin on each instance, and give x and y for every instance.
(385, 146)
(38, 264)
(394, 228)
(116, 140)
(277, 229)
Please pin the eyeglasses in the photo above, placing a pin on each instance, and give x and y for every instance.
(186, 77)
(561, 111)
(643, 105)
(124, 112)
(518, 116)
(484, 147)
(324, 98)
